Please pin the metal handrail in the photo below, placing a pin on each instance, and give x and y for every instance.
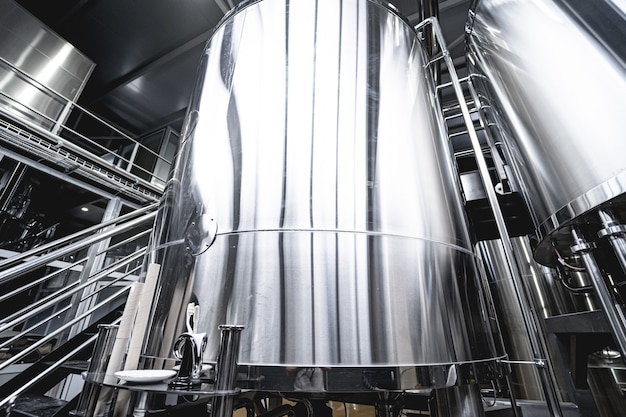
(69, 102)
(53, 251)
(111, 152)
(39, 250)
(54, 317)
(68, 292)
(68, 267)
(62, 328)
(64, 293)
(16, 271)
(6, 402)
(80, 150)
(125, 241)
(55, 314)
(41, 280)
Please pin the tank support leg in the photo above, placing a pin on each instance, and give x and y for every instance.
(226, 371)
(458, 401)
(612, 309)
(389, 404)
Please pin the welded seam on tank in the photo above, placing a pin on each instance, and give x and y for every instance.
(501, 358)
(312, 164)
(281, 243)
(358, 232)
(337, 255)
(372, 206)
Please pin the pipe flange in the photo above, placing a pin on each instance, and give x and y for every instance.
(612, 230)
(583, 247)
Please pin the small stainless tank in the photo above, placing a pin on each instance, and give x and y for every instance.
(314, 202)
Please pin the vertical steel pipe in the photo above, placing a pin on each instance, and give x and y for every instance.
(90, 401)
(615, 232)
(226, 371)
(612, 309)
(458, 401)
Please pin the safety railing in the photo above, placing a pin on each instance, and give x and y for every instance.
(57, 296)
(41, 255)
(64, 127)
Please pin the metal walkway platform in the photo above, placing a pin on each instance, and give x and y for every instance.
(69, 159)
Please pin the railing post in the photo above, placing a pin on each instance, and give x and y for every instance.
(60, 121)
(131, 158)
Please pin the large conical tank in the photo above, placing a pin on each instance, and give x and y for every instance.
(313, 148)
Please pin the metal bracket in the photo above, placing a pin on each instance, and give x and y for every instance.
(200, 234)
(583, 247)
(612, 230)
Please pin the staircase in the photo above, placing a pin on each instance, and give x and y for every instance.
(53, 369)
(47, 335)
(55, 294)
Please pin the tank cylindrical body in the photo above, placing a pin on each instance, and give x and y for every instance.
(314, 145)
(557, 72)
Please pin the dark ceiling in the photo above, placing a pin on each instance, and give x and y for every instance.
(146, 51)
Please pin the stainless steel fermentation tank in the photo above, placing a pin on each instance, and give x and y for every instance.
(560, 85)
(39, 70)
(554, 75)
(314, 201)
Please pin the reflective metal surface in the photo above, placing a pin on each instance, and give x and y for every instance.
(558, 75)
(607, 378)
(39, 52)
(525, 382)
(548, 297)
(314, 145)
(32, 48)
(459, 401)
